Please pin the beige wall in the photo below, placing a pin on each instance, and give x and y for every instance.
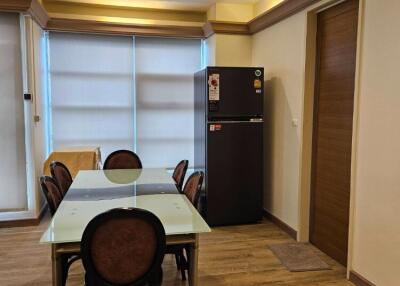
(228, 50)
(280, 50)
(263, 5)
(375, 252)
(211, 50)
(233, 50)
(376, 232)
(231, 12)
(212, 13)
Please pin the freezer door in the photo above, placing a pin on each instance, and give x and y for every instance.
(235, 92)
(234, 179)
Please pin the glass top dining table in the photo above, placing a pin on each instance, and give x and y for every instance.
(96, 191)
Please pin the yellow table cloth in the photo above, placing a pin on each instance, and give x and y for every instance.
(75, 158)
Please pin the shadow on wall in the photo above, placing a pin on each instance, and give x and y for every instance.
(269, 114)
(280, 151)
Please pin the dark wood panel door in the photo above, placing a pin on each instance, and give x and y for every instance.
(333, 123)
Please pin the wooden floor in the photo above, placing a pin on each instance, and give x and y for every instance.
(235, 255)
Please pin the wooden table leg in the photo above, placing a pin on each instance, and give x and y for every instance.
(56, 264)
(193, 262)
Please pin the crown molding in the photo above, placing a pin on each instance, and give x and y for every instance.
(111, 10)
(39, 13)
(15, 6)
(99, 27)
(278, 13)
(31, 7)
(218, 27)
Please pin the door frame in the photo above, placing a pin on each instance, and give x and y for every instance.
(308, 120)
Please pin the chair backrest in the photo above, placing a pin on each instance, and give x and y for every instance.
(51, 192)
(123, 247)
(179, 173)
(122, 159)
(193, 187)
(61, 174)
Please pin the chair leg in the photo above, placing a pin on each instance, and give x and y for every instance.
(67, 262)
(157, 278)
(86, 280)
(178, 263)
(182, 265)
(65, 267)
(187, 250)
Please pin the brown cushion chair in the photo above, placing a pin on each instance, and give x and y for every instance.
(54, 197)
(179, 173)
(61, 174)
(123, 247)
(51, 192)
(193, 187)
(192, 192)
(122, 159)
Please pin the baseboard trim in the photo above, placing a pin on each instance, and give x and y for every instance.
(358, 280)
(24, 222)
(286, 228)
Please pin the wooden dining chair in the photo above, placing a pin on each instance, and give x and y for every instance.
(51, 192)
(123, 246)
(122, 159)
(54, 197)
(61, 175)
(179, 173)
(192, 191)
(192, 187)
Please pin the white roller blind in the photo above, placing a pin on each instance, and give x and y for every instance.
(92, 86)
(13, 192)
(164, 99)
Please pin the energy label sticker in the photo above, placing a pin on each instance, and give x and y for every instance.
(213, 87)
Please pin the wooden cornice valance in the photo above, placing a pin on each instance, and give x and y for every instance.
(32, 7)
(40, 15)
(92, 26)
(269, 18)
(278, 13)
(218, 27)
(15, 5)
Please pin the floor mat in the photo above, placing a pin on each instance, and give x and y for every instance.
(298, 257)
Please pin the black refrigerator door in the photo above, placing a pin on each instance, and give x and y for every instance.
(234, 180)
(238, 92)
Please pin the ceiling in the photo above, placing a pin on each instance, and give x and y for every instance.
(187, 5)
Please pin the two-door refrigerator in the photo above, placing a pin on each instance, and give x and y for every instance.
(229, 142)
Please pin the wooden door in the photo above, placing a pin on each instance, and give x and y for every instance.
(332, 134)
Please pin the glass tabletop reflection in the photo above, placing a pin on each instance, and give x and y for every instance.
(97, 191)
(112, 178)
